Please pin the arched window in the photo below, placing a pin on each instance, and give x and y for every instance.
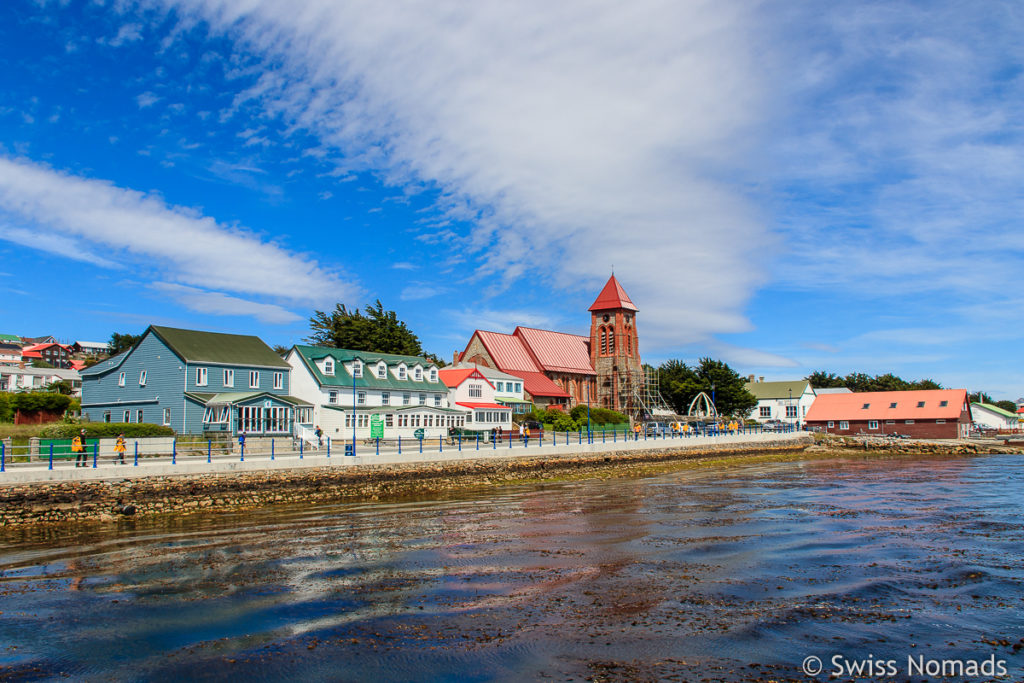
(611, 342)
(604, 341)
(629, 341)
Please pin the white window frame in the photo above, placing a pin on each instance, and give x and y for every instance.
(940, 422)
(121, 379)
(401, 372)
(328, 366)
(872, 424)
(844, 424)
(254, 379)
(385, 398)
(142, 378)
(791, 412)
(167, 416)
(909, 422)
(406, 399)
(360, 398)
(417, 374)
(202, 377)
(279, 380)
(357, 369)
(433, 374)
(332, 396)
(423, 399)
(437, 400)
(138, 416)
(831, 424)
(229, 377)
(764, 411)
(382, 371)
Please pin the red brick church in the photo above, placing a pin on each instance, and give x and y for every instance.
(560, 369)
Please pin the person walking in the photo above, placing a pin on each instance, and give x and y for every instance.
(78, 448)
(119, 448)
(319, 437)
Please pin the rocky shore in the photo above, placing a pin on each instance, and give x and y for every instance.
(105, 501)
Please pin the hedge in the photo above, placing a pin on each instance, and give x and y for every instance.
(33, 401)
(6, 410)
(105, 430)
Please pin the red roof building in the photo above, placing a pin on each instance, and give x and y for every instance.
(923, 414)
(561, 369)
(57, 355)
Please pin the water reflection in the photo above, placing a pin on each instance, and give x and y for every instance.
(733, 575)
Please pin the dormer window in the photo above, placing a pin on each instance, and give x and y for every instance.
(418, 374)
(328, 366)
(401, 372)
(865, 406)
(382, 371)
(433, 374)
(920, 404)
(892, 405)
(943, 404)
(357, 369)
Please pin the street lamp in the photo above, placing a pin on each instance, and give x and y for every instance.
(588, 412)
(789, 405)
(713, 398)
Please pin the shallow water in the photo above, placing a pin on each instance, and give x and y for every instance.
(696, 575)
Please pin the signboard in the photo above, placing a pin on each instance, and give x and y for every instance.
(376, 426)
(418, 434)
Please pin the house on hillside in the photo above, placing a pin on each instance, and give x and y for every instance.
(195, 382)
(57, 355)
(38, 379)
(923, 414)
(786, 401)
(88, 348)
(350, 390)
(10, 354)
(995, 417)
(471, 391)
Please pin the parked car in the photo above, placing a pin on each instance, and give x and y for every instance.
(655, 429)
(773, 426)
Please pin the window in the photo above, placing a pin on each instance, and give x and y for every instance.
(872, 424)
(120, 380)
(890, 422)
(254, 379)
(865, 406)
(423, 399)
(357, 369)
(500, 386)
(920, 404)
(433, 374)
(476, 391)
(328, 366)
(418, 374)
(385, 398)
(940, 422)
(229, 378)
(843, 424)
(106, 416)
(790, 411)
(382, 371)
(167, 416)
(831, 424)
(892, 405)
(305, 415)
(437, 400)
(406, 399)
(332, 396)
(389, 420)
(201, 377)
(519, 387)
(142, 378)
(138, 415)
(279, 380)
(361, 398)
(127, 416)
(766, 411)
(909, 422)
(943, 404)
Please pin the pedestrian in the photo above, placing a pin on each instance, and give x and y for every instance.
(78, 448)
(120, 447)
(522, 431)
(493, 433)
(500, 433)
(319, 437)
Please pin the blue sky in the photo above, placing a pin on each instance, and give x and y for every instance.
(788, 186)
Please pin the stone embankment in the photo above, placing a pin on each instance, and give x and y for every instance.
(110, 499)
(847, 444)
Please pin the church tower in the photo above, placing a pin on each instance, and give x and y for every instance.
(614, 351)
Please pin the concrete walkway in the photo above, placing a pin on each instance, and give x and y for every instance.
(22, 473)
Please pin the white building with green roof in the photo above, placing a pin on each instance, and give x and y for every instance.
(995, 417)
(786, 401)
(352, 390)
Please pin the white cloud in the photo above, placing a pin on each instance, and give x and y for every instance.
(142, 230)
(421, 290)
(572, 137)
(146, 99)
(468, 319)
(218, 303)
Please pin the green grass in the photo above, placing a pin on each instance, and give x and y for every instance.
(19, 431)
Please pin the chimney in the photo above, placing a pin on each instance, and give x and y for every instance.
(455, 357)
(760, 379)
(750, 378)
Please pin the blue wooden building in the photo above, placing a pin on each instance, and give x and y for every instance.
(196, 382)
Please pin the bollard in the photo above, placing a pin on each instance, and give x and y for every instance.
(51, 457)
(300, 449)
(378, 446)
(399, 444)
(421, 444)
(439, 448)
(136, 454)
(478, 440)
(328, 447)
(174, 456)
(602, 435)
(494, 444)
(95, 454)
(242, 449)
(3, 457)
(460, 442)
(615, 435)
(580, 435)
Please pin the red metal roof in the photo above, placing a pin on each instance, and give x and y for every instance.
(31, 354)
(508, 352)
(453, 377)
(557, 351)
(538, 384)
(879, 405)
(481, 406)
(613, 296)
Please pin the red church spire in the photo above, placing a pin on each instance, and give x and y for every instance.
(613, 297)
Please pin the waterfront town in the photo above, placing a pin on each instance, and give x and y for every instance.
(225, 385)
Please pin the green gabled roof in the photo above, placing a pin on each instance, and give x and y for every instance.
(769, 390)
(231, 397)
(10, 338)
(369, 380)
(997, 409)
(217, 347)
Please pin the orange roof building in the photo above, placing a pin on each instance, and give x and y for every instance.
(923, 414)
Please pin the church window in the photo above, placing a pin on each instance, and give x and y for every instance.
(629, 341)
(604, 341)
(611, 342)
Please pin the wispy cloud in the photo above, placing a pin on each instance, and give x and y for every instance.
(218, 303)
(52, 208)
(146, 100)
(570, 137)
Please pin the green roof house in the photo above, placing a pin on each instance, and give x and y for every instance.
(787, 401)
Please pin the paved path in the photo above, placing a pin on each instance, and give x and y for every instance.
(38, 471)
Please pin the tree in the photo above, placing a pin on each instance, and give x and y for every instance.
(61, 387)
(122, 342)
(1007, 405)
(820, 379)
(40, 363)
(980, 397)
(281, 350)
(680, 385)
(859, 381)
(379, 331)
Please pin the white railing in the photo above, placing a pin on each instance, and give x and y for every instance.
(307, 434)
